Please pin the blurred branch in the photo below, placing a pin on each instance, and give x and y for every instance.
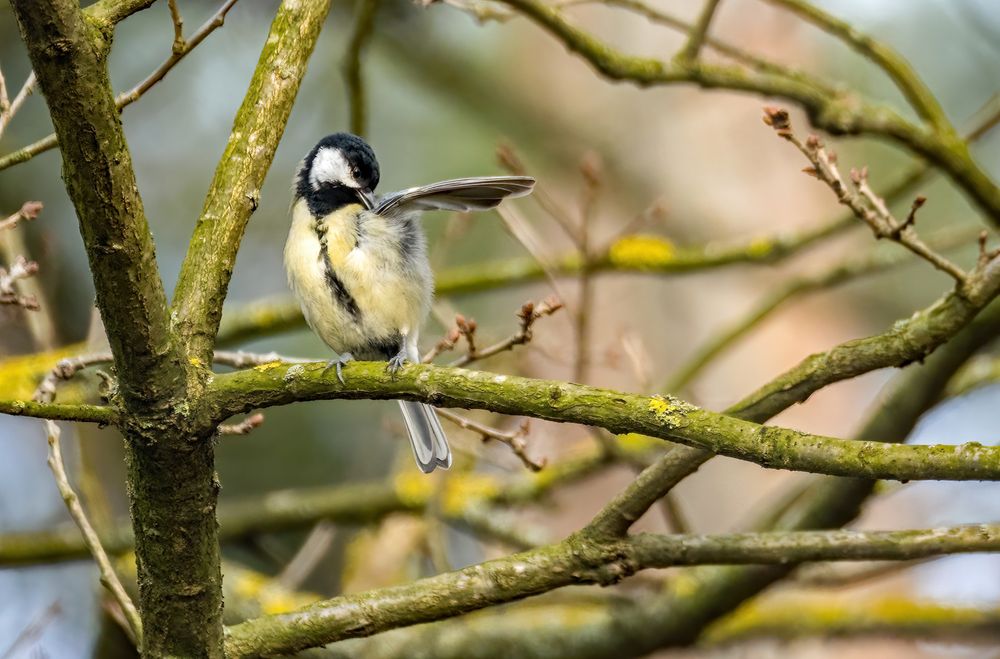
(21, 268)
(127, 98)
(109, 579)
(578, 559)
(463, 499)
(838, 274)
(979, 372)
(619, 413)
(698, 32)
(235, 188)
(29, 210)
(863, 202)
(12, 108)
(833, 575)
(891, 617)
(898, 69)
(838, 113)
(364, 25)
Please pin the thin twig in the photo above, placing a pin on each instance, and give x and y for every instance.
(514, 440)
(27, 89)
(364, 26)
(4, 99)
(45, 393)
(863, 202)
(127, 98)
(29, 210)
(590, 168)
(20, 269)
(529, 313)
(309, 555)
(511, 161)
(178, 20)
(696, 37)
(244, 427)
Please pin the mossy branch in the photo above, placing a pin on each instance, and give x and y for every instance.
(839, 114)
(577, 560)
(69, 59)
(617, 412)
(235, 189)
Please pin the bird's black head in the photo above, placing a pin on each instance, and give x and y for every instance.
(341, 169)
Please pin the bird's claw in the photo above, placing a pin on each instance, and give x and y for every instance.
(338, 364)
(396, 363)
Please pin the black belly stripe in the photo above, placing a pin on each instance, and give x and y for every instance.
(340, 293)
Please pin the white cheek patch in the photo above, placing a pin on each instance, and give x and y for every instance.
(330, 166)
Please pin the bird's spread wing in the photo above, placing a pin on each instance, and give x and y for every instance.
(477, 193)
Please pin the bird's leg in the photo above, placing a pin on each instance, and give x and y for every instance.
(407, 353)
(396, 362)
(338, 363)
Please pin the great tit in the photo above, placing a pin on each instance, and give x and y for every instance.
(358, 263)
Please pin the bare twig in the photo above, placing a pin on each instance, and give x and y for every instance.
(590, 168)
(364, 25)
(863, 202)
(511, 161)
(698, 33)
(4, 99)
(34, 629)
(45, 393)
(178, 20)
(514, 440)
(244, 427)
(529, 313)
(27, 89)
(125, 98)
(20, 269)
(28, 211)
(310, 553)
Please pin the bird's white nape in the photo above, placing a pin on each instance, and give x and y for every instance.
(330, 166)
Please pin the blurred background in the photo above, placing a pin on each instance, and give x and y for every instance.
(687, 165)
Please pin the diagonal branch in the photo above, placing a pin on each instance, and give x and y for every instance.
(577, 560)
(235, 189)
(887, 59)
(835, 113)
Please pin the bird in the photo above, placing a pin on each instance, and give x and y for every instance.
(358, 265)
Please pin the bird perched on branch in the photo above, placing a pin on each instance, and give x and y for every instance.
(358, 264)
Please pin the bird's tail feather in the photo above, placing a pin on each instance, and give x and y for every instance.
(430, 446)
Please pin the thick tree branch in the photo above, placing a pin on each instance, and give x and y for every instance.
(619, 413)
(577, 560)
(69, 59)
(235, 189)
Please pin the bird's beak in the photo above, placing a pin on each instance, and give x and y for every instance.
(366, 198)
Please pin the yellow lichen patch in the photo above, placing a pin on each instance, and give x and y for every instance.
(669, 410)
(412, 487)
(659, 406)
(267, 367)
(641, 251)
(634, 442)
(760, 247)
(194, 361)
(279, 600)
(248, 584)
(461, 490)
(20, 375)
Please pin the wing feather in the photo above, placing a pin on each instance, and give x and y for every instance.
(477, 193)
